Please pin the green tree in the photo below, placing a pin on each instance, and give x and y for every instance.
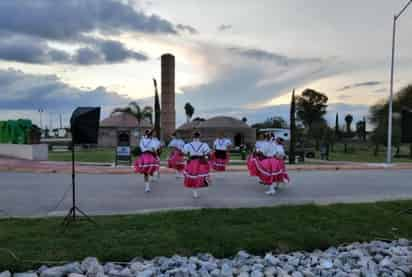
(292, 145)
(378, 115)
(397, 136)
(311, 107)
(189, 110)
(361, 129)
(348, 120)
(156, 109)
(337, 130)
(276, 122)
(135, 110)
(272, 122)
(318, 131)
(378, 138)
(330, 137)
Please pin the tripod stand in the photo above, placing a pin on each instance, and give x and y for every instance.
(71, 215)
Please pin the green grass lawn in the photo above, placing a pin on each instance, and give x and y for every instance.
(102, 155)
(358, 152)
(277, 229)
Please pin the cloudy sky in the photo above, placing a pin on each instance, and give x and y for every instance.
(233, 57)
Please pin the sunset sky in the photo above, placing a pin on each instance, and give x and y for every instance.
(233, 57)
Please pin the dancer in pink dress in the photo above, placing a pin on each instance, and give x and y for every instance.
(281, 156)
(257, 154)
(268, 168)
(220, 156)
(197, 169)
(176, 159)
(147, 163)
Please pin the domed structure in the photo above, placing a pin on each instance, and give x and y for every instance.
(236, 130)
(117, 123)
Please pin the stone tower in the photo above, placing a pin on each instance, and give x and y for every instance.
(168, 113)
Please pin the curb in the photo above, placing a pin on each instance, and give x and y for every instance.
(19, 166)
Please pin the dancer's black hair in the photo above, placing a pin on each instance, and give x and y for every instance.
(148, 132)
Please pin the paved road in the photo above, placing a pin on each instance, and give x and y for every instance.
(27, 194)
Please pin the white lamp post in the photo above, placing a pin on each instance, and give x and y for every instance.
(40, 110)
(389, 146)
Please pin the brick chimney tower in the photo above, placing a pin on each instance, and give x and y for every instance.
(168, 113)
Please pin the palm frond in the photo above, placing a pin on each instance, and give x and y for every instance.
(119, 110)
(147, 112)
(135, 107)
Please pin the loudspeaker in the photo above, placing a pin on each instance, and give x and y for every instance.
(406, 126)
(85, 125)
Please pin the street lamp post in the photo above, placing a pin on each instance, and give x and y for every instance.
(41, 118)
(389, 146)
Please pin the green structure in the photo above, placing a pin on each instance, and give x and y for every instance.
(15, 131)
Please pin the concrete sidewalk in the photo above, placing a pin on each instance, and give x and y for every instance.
(15, 165)
(33, 194)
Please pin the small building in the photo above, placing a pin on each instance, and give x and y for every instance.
(121, 123)
(236, 130)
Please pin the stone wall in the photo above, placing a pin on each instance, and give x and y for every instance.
(108, 136)
(34, 152)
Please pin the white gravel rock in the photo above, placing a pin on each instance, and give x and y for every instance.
(25, 274)
(227, 270)
(75, 275)
(358, 259)
(5, 274)
(57, 271)
(89, 262)
(146, 273)
(256, 273)
(271, 260)
(403, 242)
(270, 271)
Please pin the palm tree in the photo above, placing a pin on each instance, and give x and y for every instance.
(337, 131)
(189, 110)
(349, 120)
(134, 109)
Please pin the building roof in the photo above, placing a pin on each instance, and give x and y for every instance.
(215, 122)
(123, 120)
(189, 125)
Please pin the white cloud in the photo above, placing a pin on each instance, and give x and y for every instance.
(26, 92)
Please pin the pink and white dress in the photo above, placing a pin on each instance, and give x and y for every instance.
(257, 154)
(220, 157)
(280, 156)
(197, 168)
(147, 163)
(177, 158)
(268, 168)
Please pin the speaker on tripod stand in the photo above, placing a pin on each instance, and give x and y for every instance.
(84, 126)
